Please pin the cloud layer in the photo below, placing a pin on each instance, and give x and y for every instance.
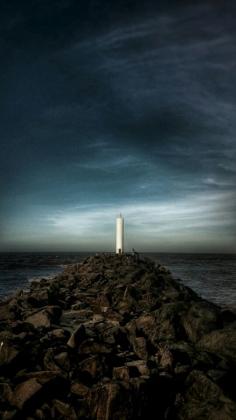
(103, 111)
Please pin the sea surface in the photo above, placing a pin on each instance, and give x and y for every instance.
(212, 276)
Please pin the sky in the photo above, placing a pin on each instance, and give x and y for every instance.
(109, 107)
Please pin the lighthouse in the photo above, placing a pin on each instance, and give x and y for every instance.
(119, 234)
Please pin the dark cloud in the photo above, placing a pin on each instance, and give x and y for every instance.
(116, 104)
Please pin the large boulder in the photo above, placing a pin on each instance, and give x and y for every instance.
(203, 399)
(221, 342)
(44, 317)
(24, 392)
(199, 319)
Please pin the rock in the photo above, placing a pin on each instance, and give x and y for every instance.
(63, 361)
(77, 337)
(168, 318)
(115, 337)
(24, 392)
(75, 317)
(5, 393)
(39, 319)
(200, 319)
(108, 332)
(64, 410)
(46, 376)
(44, 317)
(181, 372)
(121, 373)
(46, 410)
(165, 358)
(5, 312)
(216, 375)
(9, 352)
(129, 400)
(146, 325)
(9, 414)
(91, 369)
(104, 402)
(228, 316)
(49, 361)
(39, 414)
(58, 334)
(204, 399)
(98, 318)
(90, 347)
(183, 353)
(137, 367)
(79, 305)
(221, 342)
(140, 347)
(18, 327)
(39, 298)
(79, 389)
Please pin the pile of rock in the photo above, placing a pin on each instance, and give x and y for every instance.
(115, 338)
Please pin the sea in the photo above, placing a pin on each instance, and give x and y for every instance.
(212, 276)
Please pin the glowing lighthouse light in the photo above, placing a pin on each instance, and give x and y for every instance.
(119, 234)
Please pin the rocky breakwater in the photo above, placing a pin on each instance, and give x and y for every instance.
(116, 338)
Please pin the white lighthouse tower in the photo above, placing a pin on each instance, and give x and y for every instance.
(119, 234)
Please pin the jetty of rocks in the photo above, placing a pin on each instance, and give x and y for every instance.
(115, 337)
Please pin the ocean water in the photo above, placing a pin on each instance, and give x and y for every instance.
(17, 270)
(212, 276)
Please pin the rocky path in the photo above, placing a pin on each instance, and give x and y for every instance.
(116, 338)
